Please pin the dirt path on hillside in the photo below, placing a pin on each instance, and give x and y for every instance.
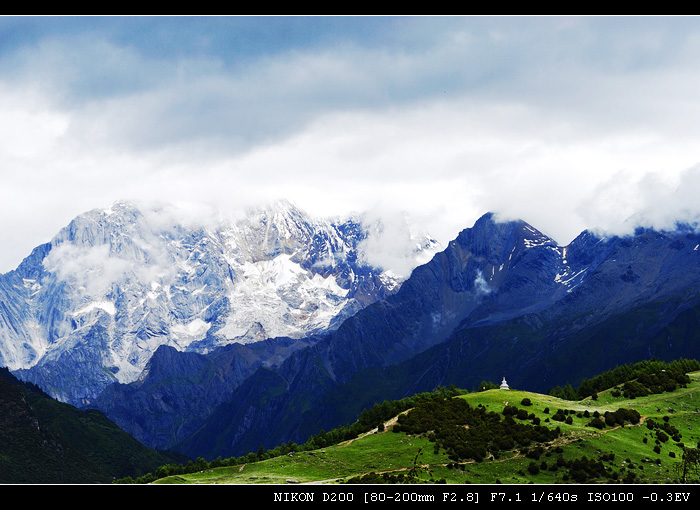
(387, 427)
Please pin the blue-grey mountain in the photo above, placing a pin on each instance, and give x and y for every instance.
(502, 299)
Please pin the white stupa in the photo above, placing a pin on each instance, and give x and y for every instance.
(504, 384)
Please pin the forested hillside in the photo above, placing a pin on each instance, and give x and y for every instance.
(46, 441)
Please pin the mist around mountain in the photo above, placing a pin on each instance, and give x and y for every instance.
(92, 306)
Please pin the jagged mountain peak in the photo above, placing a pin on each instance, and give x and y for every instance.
(491, 226)
(116, 283)
(279, 212)
(94, 227)
(493, 246)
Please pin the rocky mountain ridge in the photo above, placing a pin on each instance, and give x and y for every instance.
(91, 307)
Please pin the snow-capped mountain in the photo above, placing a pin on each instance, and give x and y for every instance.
(92, 306)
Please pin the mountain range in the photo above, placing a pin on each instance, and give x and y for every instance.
(186, 373)
(502, 300)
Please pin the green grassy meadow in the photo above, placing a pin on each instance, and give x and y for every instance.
(615, 454)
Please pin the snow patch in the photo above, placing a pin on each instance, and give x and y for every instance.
(284, 298)
(106, 306)
(194, 330)
(570, 280)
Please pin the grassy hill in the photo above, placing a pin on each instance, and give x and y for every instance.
(647, 447)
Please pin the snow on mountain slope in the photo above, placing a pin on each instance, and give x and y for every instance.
(90, 307)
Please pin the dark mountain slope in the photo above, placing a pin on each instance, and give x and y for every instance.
(178, 390)
(45, 441)
(537, 358)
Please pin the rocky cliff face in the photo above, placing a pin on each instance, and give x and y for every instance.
(92, 306)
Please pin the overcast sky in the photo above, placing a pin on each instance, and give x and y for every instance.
(567, 123)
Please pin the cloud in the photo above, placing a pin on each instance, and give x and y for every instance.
(653, 200)
(393, 243)
(91, 269)
(566, 122)
(481, 287)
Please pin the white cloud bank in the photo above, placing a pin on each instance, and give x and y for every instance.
(568, 123)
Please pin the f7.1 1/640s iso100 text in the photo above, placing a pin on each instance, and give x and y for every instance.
(596, 496)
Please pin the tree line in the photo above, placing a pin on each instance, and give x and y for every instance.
(641, 378)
